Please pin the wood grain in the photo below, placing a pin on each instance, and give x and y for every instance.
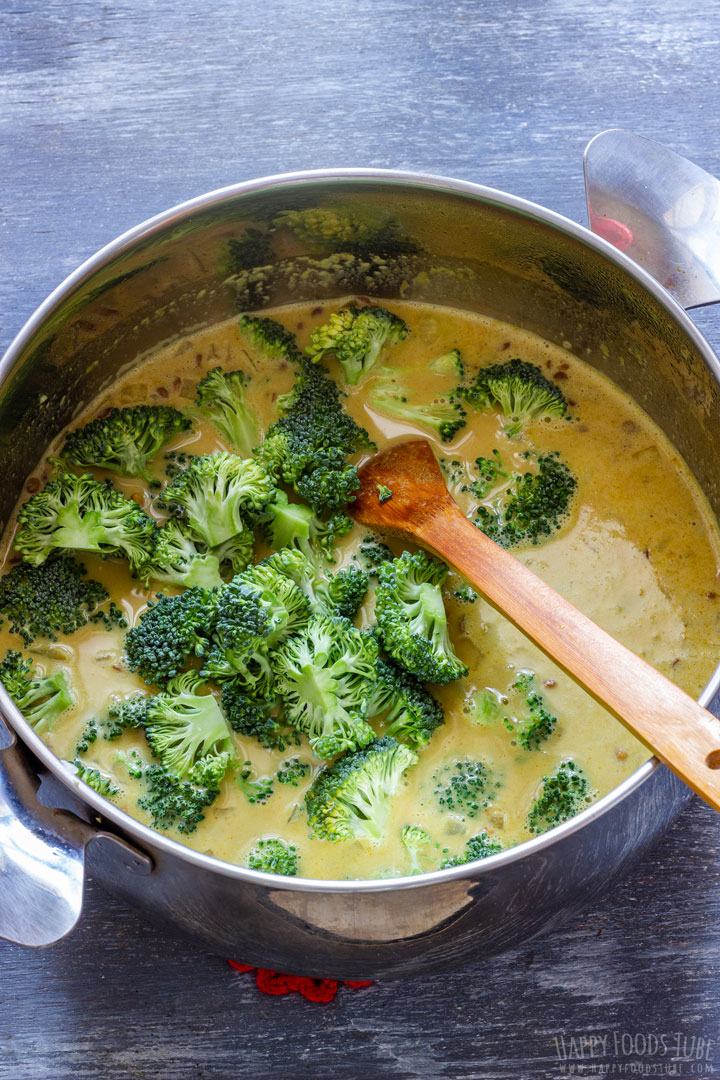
(112, 112)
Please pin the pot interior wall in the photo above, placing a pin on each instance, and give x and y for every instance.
(377, 238)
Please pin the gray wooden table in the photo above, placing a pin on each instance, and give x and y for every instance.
(110, 113)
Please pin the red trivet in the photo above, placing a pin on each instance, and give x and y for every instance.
(275, 982)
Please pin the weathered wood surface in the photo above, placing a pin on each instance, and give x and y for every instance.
(110, 113)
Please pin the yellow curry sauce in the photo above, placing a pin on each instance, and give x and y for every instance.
(639, 554)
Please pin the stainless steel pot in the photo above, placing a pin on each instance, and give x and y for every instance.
(473, 248)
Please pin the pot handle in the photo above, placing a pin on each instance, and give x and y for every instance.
(42, 853)
(660, 209)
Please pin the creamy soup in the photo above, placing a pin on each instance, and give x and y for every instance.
(638, 553)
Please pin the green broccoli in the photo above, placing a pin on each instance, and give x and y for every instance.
(484, 708)
(98, 781)
(411, 617)
(296, 525)
(356, 336)
(126, 440)
(274, 856)
(384, 493)
(219, 495)
(178, 558)
(268, 337)
(54, 598)
(324, 677)
(341, 593)
(293, 771)
(40, 698)
(255, 791)
(489, 470)
(221, 397)
(465, 595)
(308, 447)
(83, 514)
(533, 507)
(450, 363)
(563, 795)
(351, 798)
(444, 416)
(520, 389)
(238, 551)
(415, 840)
(412, 714)
(479, 846)
(88, 737)
(124, 714)
(187, 731)
(531, 730)
(169, 632)
(463, 787)
(173, 803)
(256, 717)
(372, 554)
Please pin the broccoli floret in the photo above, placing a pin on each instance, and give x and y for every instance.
(484, 708)
(444, 416)
(293, 771)
(372, 554)
(98, 781)
(255, 612)
(479, 846)
(324, 677)
(256, 717)
(88, 737)
(296, 525)
(238, 551)
(173, 803)
(83, 514)
(335, 594)
(178, 558)
(465, 595)
(274, 856)
(412, 620)
(533, 507)
(520, 389)
(356, 336)
(40, 698)
(220, 495)
(309, 445)
(126, 440)
(413, 713)
(538, 724)
(463, 787)
(351, 798)
(54, 598)
(384, 493)
(187, 731)
(125, 714)
(255, 791)
(563, 795)
(169, 632)
(268, 337)
(221, 397)
(450, 363)
(489, 471)
(415, 840)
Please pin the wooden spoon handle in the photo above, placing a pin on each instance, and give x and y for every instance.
(680, 732)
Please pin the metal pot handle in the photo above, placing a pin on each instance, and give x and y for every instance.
(660, 209)
(42, 853)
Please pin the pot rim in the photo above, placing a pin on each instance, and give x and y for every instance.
(428, 181)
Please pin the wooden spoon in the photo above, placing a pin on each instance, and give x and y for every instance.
(680, 732)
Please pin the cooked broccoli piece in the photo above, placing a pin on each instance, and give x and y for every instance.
(351, 798)
(309, 445)
(54, 598)
(520, 389)
(341, 593)
(220, 496)
(255, 612)
(175, 462)
(256, 717)
(479, 846)
(444, 416)
(489, 470)
(484, 708)
(83, 514)
(173, 803)
(255, 791)
(40, 698)
(178, 558)
(324, 677)
(384, 493)
(463, 787)
(88, 737)
(221, 397)
(187, 731)
(98, 781)
(293, 771)
(411, 617)
(169, 632)
(533, 507)
(268, 337)
(415, 840)
(356, 336)
(538, 724)
(126, 440)
(413, 713)
(125, 714)
(296, 525)
(274, 856)
(372, 554)
(450, 363)
(563, 795)
(238, 551)
(465, 595)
